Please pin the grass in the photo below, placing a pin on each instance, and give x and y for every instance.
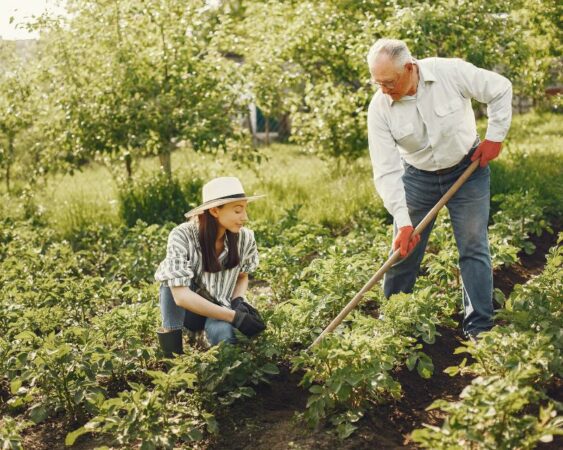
(324, 191)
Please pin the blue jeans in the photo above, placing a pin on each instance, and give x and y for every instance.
(469, 213)
(173, 319)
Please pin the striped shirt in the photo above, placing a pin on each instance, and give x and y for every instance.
(183, 265)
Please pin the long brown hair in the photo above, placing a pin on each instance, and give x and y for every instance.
(207, 235)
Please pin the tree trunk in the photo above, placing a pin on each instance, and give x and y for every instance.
(129, 167)
(8, 177)
(284, 129)
(166, 162)
(9, 160)
(267, 128)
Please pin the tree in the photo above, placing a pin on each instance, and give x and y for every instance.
(135, 77)
(15, 116)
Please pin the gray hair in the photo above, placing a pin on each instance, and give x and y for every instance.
(396, 49)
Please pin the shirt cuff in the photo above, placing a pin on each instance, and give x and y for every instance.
(402, 218)
(495, 134)
(177, 282)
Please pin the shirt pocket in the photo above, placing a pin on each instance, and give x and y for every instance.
(450, 115)
(404, 136)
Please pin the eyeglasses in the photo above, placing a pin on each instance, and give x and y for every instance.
(387, 84)
(384, 84)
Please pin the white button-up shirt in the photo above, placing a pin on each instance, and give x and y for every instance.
(435, 128)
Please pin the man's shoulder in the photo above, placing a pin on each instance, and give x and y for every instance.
(378, 104)
(437, 65)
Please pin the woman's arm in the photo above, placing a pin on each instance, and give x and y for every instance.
(188, 299)
(241, 286)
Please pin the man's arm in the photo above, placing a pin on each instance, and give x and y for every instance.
(387, 168)
(495, 90)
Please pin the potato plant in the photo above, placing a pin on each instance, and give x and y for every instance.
(506, 406)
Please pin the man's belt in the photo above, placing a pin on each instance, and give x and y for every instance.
(464, 160)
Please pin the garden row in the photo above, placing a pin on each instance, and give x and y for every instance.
(77, 326)
(516, 365)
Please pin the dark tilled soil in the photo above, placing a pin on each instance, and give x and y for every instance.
(271, 419)
(507, 277)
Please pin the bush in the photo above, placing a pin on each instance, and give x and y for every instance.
(157, 199)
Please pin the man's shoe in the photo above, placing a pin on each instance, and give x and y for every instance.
(472, 336)
(170, 342)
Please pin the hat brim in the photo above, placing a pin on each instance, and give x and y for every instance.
(221, 201)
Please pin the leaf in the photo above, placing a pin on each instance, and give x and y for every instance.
(73, 435)
(345, 429)
(15, 385)
(546, 438)
(425, 366)
(411, 361)
(38, 413)
(270, 369)
(316, 389)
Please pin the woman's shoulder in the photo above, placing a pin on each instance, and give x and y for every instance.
(247, 233)
(186, 231)
(246, 239)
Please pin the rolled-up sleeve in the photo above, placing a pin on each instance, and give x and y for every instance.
(250, 259)
(492, 89)
(387, 168)
(175, 270)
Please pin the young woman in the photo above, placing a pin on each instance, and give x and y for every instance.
(204, 276)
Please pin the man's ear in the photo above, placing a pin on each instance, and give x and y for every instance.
(213, 211)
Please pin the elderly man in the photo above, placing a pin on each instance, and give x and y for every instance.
(422, 136)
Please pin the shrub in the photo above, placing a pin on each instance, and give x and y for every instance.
(157, 199)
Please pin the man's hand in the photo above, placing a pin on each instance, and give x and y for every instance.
(405, 241)
(487, 151)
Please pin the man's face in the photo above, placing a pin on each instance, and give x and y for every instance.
(393, 81)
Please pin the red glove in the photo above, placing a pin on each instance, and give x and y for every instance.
(487, 151)
(405, 240)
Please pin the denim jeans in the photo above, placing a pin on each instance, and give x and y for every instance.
(173, 318)
(469, 212)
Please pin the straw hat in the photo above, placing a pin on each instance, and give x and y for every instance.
(220, 191)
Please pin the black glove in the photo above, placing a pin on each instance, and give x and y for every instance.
(248, 324)
(238, 303)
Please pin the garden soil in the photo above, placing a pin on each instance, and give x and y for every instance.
(271, 420)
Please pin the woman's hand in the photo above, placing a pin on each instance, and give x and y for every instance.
(247, 319)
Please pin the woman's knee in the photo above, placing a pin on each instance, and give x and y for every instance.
(219, 331)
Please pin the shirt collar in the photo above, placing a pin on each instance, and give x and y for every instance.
(426, 76)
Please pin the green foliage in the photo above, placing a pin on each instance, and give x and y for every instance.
(157, 418)
(514, 364)
(491, 414)
(537, 306)
(345, 373)
(10, 434)
(225, 372)
(504, 349)
(157, 199)
(58, 370)
(520, 215)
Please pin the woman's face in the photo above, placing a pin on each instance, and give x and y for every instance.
(231, 216)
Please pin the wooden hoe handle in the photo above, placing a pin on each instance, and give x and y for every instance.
(396, 256)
